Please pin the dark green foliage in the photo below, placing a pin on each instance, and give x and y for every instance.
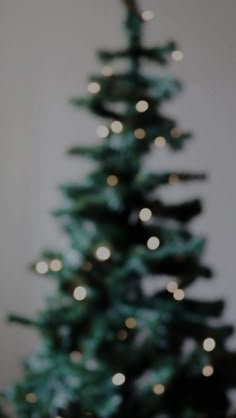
(116, 328)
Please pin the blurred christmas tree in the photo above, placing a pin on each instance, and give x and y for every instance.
(108, 348)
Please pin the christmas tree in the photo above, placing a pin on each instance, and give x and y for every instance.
(109, 348)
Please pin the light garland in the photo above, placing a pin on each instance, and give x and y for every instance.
(153, 243)
(103, 253)
(94, 87)
(80, 293)
(145, 215)
(142, 106)
(102, 131)
(118, 379)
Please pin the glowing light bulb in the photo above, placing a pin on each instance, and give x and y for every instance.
(31, 398)
(94, 87)
(145, 215)
(208, 370)
(56, 265)
(117, 127)
(122, 335)
(158, 389)
(160, 142)
(172, 287)
(139, 133)
(153, 243)
(42, 267)
(175, 133)
(179, 295)
(102, 131)
(131, 323)
(80, 293)
(112, 181)
(103, 253)
(75, 356)
(174, 179)
(148, 15)
(107, 71)
(177, 55)
(142, 106)
(209, 344)
(118, 379)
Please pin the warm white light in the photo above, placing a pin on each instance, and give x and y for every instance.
(139, 133)
(118, 379)
(142, 106)
(131, 323)
(75, 356)
(107, 71)
(160, 141)
(148, 15)
(208, 370)
(122, 335)
(175, 133)
(209, 344)
(174, 179)
(102, 131)
(112, 180)
(80, 293)
(158, 389)
(177, 55)
(56, 265)
(179, 294)
(153, 243)
(117, 127)
(145, 215)
(42, 267)
(94, 87)
(31, 398)
(103, 253)
(172, 286)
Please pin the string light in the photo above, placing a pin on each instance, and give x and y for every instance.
(42, 267)
(131, 323)
(75, 356)
(160, 141)
(103, 253)
(118, 379)
(31, 398)
(80, 293)
(139, 133)
(107, 71)
(172, 287)
(174, 179)
(94, 87)
(175, 133)
(56, 265)
(177, 55)
(112, 180)
(117, 127)
(102, 131)
(208, 370)
(179, 295)
(142, 106)
(209, 344)
(158, 389)
(122, 335)
(145, 215)
(153, 243)
(148, 15)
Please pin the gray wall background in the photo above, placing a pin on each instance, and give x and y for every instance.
(46, 49)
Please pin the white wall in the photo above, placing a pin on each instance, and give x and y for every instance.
(46, 49)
